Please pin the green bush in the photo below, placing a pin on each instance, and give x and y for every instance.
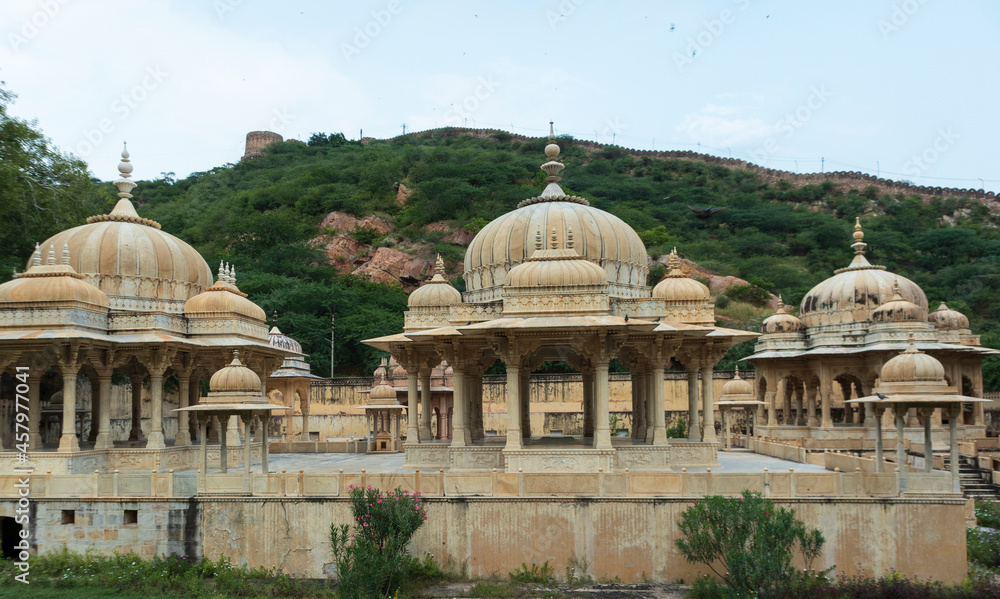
(988, 514)
(372, 561)
(678, 430)
(543, 574)
(751, 294)
(747, 542)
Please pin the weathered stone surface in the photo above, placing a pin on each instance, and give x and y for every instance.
(389, 265)
(344, 223)
(457, 236)
(402, 194)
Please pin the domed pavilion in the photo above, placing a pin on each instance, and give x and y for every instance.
(120, 295)
(557, 279)
(811, 366)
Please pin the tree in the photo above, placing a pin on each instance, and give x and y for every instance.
(42, 190)
(747, 542)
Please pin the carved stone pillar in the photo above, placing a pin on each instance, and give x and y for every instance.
(412, 416)
(156, 439)
(425, 403)
(460, 427)
(184, 400)
(694, 427)
(68, 442)
(588, 401)
(659, 406)
(513, 405)
(525, 396)
(826, 398)
(103, 439)
(640, 407)
(786, 413)
(602, 427)
(845, 390)
(34, 409)
(800, 415)
(811, 420)
(708, 401)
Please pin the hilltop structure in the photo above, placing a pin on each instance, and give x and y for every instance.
(557, 279)
(848, 327)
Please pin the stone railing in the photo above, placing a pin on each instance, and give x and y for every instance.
(845, 483)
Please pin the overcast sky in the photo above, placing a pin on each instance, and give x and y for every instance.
(903, 88)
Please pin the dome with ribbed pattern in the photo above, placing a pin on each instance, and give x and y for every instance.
(601, 238)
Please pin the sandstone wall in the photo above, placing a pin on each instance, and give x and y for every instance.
(629, 538)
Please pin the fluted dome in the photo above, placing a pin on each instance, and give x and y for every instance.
(278, 339)
(853, 293)
(52, 285)
(679, 289)
(737, 388)
(898, 309)
(945, 318)
(602, 239)
(555, 268)
(781, 322)
(129, 257)
(382, 392)
(224, 298)
(912, 366)
(436, 293)
(234, 378)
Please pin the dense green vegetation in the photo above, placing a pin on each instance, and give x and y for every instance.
(260, 215)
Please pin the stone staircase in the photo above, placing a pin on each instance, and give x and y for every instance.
(970, 478)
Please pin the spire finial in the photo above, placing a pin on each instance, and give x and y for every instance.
(236, 358)
(65, 253)
(274, 317)
(552, 167)
(553, 237)
(439, 266)
(569, 237)
(221, 272)
(859, 235)
(232, 275)
(52, 254)
(538, 238)
(36, 257)
(125, 173)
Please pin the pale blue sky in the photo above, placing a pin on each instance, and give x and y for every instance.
(905, 87)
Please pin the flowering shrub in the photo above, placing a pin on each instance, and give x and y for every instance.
(371, 559)
(747, 542)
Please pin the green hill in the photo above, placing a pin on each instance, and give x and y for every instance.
(781, 236)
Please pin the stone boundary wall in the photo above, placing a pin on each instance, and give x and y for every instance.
(918, 536)
(850, 179)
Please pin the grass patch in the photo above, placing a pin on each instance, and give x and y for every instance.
(487, 589)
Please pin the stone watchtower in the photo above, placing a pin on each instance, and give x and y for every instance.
(257, 141)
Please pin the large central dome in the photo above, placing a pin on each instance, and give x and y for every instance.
(601, 237)
(853, 293)
(130, 259)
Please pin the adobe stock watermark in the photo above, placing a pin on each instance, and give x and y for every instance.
(793, 120)
(459, 113)
(33, 24)
(364, 35)
(563, 11)
(711, 30)
(22, 390)
(613, 127)
(224, 7)
(919, 163)
(280, 119)
(900, 16)
(121, 108)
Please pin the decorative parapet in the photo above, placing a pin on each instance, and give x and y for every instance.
(41, 318)
(207, 324)
(464, 313)
(129, 322)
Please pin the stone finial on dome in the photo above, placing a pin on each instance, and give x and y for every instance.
(538, 238)
(52, 254)
(125, 171)
(438, 266)
(569, 237)
(553, 240)
(859, 235)
(36, 257)
(65, 253)
(552, 168)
